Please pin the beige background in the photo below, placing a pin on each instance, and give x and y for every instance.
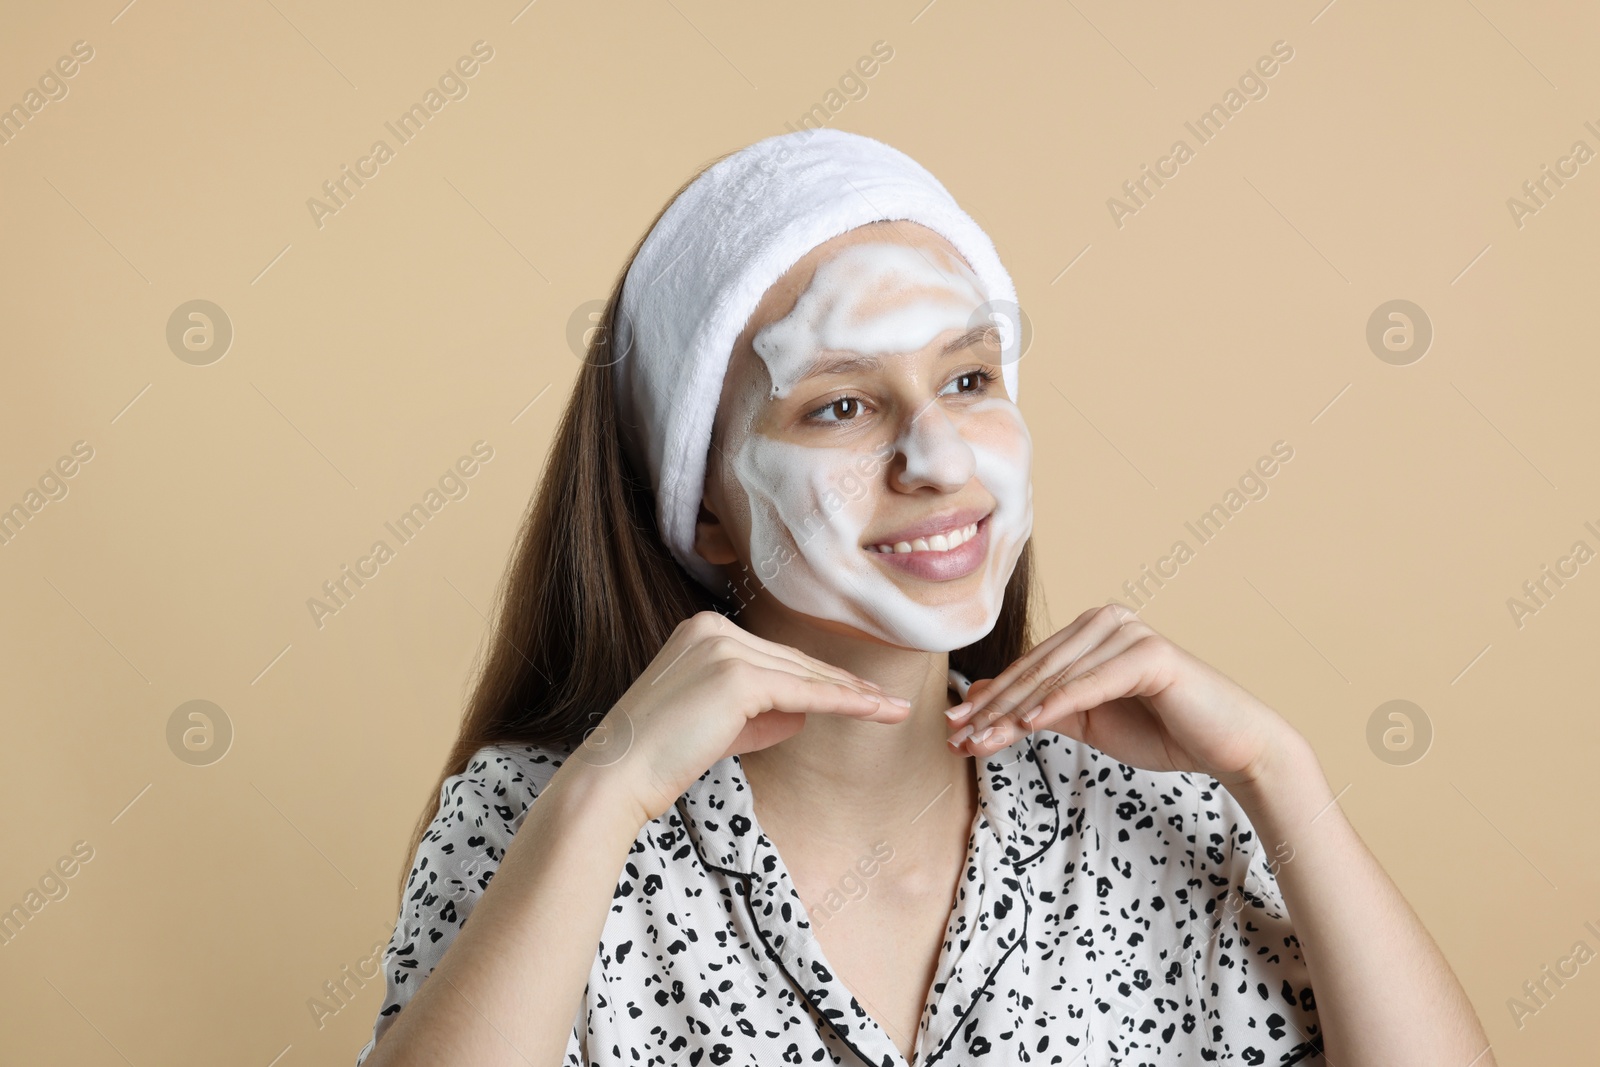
(1170, 353)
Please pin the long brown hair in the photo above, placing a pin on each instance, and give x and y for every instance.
(591, 592)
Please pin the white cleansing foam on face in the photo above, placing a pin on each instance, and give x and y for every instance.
(810, 505)
(858, 302)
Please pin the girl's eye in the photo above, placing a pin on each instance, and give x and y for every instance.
(840, 410)
(972, 381)
(848, 408)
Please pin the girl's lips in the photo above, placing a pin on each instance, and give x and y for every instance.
(933, 566)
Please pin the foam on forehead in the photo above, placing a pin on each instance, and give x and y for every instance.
(874, 298)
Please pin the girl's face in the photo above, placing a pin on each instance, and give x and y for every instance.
(867, 467)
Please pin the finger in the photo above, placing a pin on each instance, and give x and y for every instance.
(780, 690)
(733, 648)
(1119, 676)
(1009, 724)
(1039, 652)
(963, 711)
(711, 634)
(764, 731)
(1029, 663)
(1027, 674)
(1114, 645)
(775, 648)
(1023, 718)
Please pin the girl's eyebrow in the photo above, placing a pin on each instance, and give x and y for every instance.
(842, 364)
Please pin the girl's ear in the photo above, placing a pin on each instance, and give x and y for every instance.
(711, 540)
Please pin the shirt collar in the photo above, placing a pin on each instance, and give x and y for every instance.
(1016, 804)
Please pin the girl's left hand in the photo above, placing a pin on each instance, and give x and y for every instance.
(1112, 682)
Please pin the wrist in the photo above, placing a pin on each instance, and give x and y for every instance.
(1286, 782)
(596, 799)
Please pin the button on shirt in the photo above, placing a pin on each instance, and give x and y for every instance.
(1104, 915)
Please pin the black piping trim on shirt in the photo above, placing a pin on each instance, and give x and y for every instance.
(1055, 809)
(1044, 846)
(1022, 936)
(928, 1058)
(750, 907)
(747, 880)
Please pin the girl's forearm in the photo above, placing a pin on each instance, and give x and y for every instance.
(1384, 992)
(510, 986)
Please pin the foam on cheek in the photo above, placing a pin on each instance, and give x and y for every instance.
(842, 309)
(805, 545)
(809, 508)
(800, 510)
(1003, 447)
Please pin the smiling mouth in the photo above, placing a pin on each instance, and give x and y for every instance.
(946, 541)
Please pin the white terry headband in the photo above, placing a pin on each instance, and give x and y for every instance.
(712, 256)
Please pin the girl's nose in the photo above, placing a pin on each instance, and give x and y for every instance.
(935, 452)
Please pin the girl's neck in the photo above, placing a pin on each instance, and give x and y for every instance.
(841, 784)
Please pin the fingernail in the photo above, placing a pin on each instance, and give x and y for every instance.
(902, 701)
(960, 735)
(979, 738)
(959, 710)
(1028, 715)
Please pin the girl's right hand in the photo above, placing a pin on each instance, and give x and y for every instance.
(716, 690)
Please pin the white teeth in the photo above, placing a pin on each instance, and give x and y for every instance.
(944, 542)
